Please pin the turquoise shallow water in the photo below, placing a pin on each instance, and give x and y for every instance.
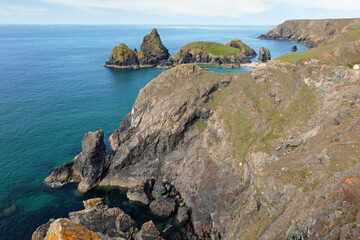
(53, 89)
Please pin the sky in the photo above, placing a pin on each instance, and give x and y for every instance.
(177, 12)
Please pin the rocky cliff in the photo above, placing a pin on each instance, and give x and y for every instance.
(310, 32)
(152, 53)
(268, 154)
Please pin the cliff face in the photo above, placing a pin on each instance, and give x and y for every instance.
(273, 147)
(309, 32)
(268, 154)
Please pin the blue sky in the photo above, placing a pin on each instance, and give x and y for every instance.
(234, 12)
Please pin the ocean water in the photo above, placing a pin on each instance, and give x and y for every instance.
(53, 89)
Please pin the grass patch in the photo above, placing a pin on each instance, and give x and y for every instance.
(214, 48)
(200, 125)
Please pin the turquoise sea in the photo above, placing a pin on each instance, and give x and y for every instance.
(53, 89)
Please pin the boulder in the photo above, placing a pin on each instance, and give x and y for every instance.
(65, 229)
(293, 48)
(62, 174)
(141, 193)
(264, 55)
(40, 232)
(98, 217)
(149, 232)
(163, 207)
(158, 190)
(182, 215)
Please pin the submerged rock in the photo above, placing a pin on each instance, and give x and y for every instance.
(264, 55)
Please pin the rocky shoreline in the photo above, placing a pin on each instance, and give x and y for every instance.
(267, 154)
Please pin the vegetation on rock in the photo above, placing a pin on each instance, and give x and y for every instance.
(248, 51)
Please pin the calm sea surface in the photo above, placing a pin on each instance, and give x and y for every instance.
(53, 89)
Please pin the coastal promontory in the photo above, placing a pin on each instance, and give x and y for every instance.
(268, 154)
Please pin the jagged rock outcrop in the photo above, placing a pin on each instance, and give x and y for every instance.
(264, 55)
(152, 50)
(152, 53)
(245, 49)
(210, 53)
(87, 168)
(96, 221)
(310, 32)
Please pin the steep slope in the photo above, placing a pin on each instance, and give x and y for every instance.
(310, 32)
(267, 154)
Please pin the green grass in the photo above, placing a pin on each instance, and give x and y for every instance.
(200, 125)
(216, 49)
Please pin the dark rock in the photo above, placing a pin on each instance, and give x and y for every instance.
(62, 174)
(141, 193)
(88, 166)
(293, 48)
(40, 232)
(163, 206)
(97, 217)
(92, 161)
(149, 232)
(264, 55)
(182, 215)
(159, 190)
(336, 122)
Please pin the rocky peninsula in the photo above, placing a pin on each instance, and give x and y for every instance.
(154, 54)
(267, 154)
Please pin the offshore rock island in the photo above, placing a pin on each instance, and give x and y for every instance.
(267, 154)
(154, 54)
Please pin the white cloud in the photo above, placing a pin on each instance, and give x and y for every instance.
(6, 9)
(322, 4)
(209, 8)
